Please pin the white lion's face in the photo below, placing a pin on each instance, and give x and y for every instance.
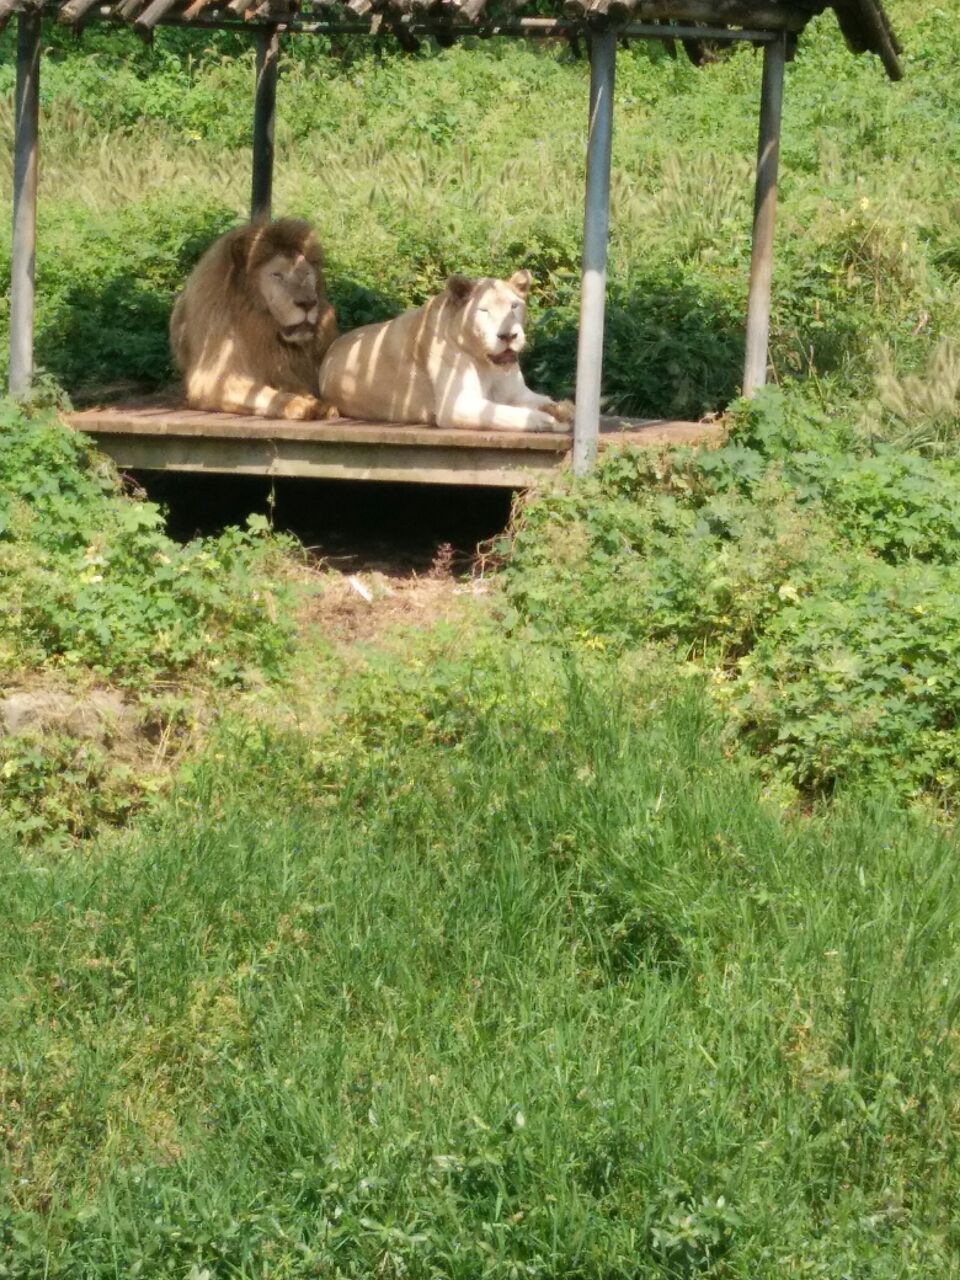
(288, 286)
(493, 316)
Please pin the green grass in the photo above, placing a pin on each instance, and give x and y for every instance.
(509, 974)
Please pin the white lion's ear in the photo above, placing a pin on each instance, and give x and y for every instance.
(459, 288)
(520, 282)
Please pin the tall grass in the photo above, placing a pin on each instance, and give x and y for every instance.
(504, 977)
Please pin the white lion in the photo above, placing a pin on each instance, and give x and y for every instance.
(450, 363)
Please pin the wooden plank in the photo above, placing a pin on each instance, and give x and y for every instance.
(164, 420)
(354, 460)
(159, 438)
(150, 16)
(224, 426)
(74, 11)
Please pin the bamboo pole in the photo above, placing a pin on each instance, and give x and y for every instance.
(596, 223)
(264, 114)
(764, 217)
(23, 264)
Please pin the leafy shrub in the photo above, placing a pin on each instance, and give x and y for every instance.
(860, 683)
(90, 579)
(818, 582)
(896, 504)
(626, 570)
(56, 788)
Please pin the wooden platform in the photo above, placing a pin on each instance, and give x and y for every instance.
(169, 438)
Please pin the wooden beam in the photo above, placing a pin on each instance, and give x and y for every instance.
(74, 11)
(596, 225)
(152, 14)
(25, 150)
(881, 38)
(441, 21)
(764, 217)
(264, 115)
(195, 9)
(165, 438)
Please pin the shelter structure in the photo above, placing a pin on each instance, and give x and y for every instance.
(166, 438)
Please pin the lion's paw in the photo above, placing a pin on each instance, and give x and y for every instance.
(562, 410)
(540, 420)
(302, 408)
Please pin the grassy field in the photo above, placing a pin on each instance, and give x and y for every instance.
(608, 931)
(512, 972)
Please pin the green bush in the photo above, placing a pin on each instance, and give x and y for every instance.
(55, 789)
(860, 683)
(817, 582)
(90, 580)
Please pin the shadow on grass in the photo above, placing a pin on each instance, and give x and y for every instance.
(670, 349)
(674, 348)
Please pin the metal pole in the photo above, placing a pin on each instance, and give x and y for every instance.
(596, 223)
(764, 217)
(26, 123)
(264, 112)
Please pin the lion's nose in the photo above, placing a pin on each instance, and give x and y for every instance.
(510, 335)
(306, 304)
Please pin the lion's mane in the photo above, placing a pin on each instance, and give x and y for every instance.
(221, 334)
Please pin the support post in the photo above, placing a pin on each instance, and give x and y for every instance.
(264, 112)
(596, 223)
(764, 216)
(24, 248)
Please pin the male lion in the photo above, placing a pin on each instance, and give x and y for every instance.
(450, 363)
(253, 322)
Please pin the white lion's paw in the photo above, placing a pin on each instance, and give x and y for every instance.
(563, 411)
(540, 421)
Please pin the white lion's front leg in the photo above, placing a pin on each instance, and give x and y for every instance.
(474, 412)
(561, 411)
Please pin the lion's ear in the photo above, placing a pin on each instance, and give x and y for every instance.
(239, 248)
(459, 288)
(520, 282)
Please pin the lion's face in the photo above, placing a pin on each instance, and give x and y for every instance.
(288, 284)
(492, 316)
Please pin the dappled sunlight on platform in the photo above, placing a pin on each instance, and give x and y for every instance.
(158, 437)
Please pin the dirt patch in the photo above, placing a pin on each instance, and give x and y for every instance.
(102, 716)
(364, 606)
